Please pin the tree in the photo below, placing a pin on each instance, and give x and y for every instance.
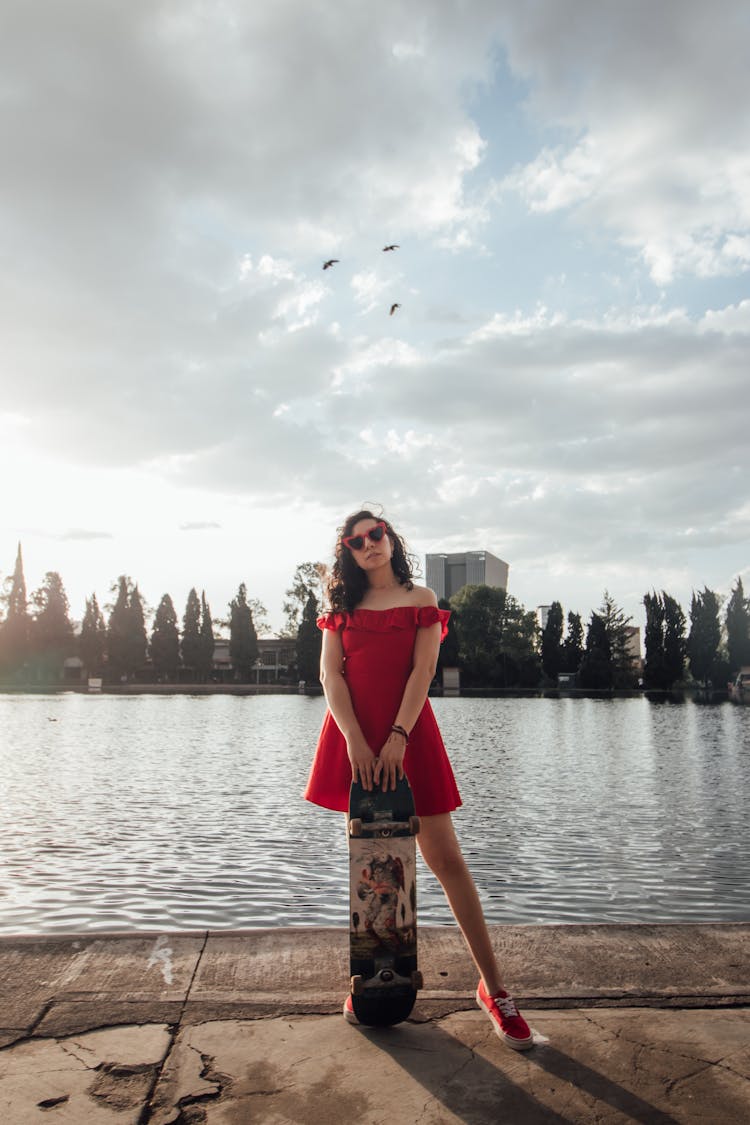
(205, 664)
(243, 641)
(665, 641)
(705, 635)
(309, 578)
(738, 629)
(596, 669)
(573, 649)
(137, 640)
(92, 643)
(165, 640)
(654, 668)
(51, 631)
(618, 629)
(126, 631)
(675, 644)
(15, 631)
(309, 642)
(496, 636)
(448, 656)
(191, 633)
(552, 646)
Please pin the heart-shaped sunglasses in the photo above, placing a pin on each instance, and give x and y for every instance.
(357, 542)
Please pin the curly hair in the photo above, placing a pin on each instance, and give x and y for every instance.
(348, 582)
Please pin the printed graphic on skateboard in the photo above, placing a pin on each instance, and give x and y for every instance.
(383, 903)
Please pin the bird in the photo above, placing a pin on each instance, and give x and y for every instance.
(394, 306)
(393, 246)
(329, 263)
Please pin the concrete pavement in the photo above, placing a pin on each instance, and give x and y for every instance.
(646, 1023)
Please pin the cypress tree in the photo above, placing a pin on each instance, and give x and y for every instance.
(117, 630)
(596, 669)
(309, 642)
(654, 669)
(127, 643)
(191, 634)
(552, 646)
(573, 649)
(52, 631)
(738, 629)
(206, 645)
(15, 631)
(705, 635)
(92, 643)
(137, 639)
(165, 640)
(243, 642)
(675, 645)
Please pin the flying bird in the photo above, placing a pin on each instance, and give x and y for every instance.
(331, 262)
(394, 246)
(393, 308)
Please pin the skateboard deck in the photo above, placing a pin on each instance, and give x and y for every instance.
(383, 903)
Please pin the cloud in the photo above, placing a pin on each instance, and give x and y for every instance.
(82, 535)
(175, 175)
(200, 525)
(661, 162)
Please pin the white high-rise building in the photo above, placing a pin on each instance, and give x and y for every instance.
(447, 573)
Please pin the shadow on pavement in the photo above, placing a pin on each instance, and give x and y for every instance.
(469, 1086)
(598, 1086)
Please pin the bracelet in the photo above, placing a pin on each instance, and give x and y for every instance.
(396, 729)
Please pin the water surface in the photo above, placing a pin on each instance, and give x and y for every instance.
(184, 812)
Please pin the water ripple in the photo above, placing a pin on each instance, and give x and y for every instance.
(135, 813)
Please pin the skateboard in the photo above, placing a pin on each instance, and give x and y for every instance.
(383, 903)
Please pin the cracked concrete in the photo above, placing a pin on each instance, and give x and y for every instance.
(228, 1028)
(101, 1076)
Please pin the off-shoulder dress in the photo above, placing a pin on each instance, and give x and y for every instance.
(378, 651)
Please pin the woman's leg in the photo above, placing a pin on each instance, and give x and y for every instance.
(442, 853)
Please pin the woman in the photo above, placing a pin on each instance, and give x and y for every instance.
(380, 649)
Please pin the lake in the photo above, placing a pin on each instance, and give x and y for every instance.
(184, 812)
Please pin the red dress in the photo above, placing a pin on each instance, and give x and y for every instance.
(378, 649)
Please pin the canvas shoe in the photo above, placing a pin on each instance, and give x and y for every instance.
(349, 1015)
(506, 1018)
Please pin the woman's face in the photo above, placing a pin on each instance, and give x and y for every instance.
(370, 555)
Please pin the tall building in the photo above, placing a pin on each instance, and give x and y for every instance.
(446, 574)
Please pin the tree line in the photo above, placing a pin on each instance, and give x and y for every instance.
(492, 638)
(37, 634)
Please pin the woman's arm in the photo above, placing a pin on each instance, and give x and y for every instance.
(339, 702)
(390, 764)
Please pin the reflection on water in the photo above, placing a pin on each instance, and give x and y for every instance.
(178, 812)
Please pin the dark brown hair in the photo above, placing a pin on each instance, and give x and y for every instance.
(347, 584)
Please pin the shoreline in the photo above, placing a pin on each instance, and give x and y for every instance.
(679, 695)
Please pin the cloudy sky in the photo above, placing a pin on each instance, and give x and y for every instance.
(188, 398)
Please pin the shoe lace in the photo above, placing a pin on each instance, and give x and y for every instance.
(507, 1006)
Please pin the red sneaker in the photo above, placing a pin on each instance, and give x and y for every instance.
(506, 1018)
(349, 1015)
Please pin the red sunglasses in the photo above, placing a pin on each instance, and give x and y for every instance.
(357, 542)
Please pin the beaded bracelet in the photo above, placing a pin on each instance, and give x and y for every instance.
(400, 730)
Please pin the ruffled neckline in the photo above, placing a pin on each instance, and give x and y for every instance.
(385, 620)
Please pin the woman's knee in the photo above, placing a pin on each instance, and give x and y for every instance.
(446, 865)
(439, 846)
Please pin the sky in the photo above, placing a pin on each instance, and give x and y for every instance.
(188, 398)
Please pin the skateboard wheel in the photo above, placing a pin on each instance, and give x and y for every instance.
(417, 980)
(357, 985)
(414, 825)
(355, 826)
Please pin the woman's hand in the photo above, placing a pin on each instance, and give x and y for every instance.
(390, 763)
(363, 762)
